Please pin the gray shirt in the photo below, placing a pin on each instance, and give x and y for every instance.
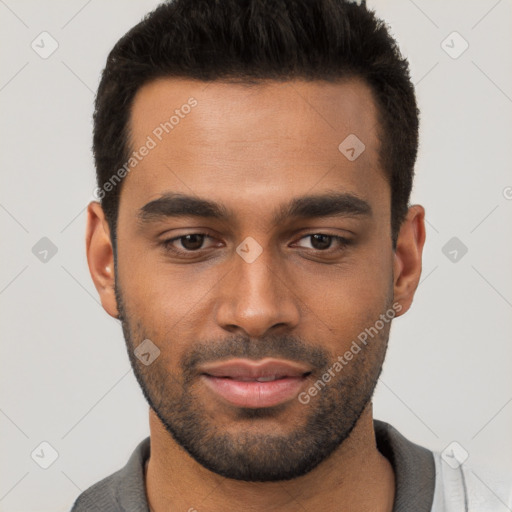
(413, 465)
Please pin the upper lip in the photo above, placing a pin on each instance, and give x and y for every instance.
(247, 369)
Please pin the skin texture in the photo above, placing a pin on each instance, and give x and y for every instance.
(252, 150)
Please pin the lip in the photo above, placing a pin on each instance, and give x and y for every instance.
(235, 381)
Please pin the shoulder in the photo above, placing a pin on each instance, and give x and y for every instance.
(463, 487)
(100, 496)
(120, 491)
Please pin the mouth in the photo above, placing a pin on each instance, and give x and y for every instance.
(250, 384)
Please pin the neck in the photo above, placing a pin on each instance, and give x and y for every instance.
(356, 477)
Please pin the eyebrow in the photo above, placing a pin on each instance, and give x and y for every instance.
(311, 206)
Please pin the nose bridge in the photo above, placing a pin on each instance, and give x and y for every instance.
(255, 297)
(257, 280)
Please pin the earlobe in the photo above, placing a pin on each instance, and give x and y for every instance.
(100, 257)
(408, 257)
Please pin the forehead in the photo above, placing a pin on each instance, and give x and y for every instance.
(253, 142)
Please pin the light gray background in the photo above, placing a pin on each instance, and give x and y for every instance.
(65, 375)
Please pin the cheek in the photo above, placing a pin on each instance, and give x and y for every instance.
(168, 299)
(343, 300)
(173, 302)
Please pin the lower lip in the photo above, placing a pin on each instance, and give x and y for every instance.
(254, 394)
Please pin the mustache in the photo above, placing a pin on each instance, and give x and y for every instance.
(240, 346)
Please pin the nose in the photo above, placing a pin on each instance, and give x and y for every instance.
(257, 297)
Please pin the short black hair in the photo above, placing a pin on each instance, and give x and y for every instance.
(252, 40)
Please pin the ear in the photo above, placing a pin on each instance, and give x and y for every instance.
(408, 257)
(100, 257)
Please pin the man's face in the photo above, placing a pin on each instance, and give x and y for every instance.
(262, 282)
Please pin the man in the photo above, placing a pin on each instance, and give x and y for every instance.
(254, 163)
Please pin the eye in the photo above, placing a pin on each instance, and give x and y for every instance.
(196, 242)
(186, 243)
(323, 242)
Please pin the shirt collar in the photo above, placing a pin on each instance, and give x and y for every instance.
(413, 466)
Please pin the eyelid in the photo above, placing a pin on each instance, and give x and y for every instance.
(342, 241)
(167, 244)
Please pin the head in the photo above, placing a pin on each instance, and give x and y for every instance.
(254, 164)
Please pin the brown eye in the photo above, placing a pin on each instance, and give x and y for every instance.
(320, 241)
(192, 242)
(324, 242)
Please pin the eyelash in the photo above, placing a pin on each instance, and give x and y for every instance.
(342, 242)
